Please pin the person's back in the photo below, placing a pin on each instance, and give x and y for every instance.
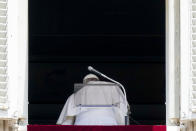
(98, 93)
(97, 103)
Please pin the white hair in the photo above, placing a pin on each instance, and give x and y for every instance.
(90, 77)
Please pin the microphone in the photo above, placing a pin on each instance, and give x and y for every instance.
(90, 68)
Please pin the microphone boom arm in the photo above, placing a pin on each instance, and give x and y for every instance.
(90, 68)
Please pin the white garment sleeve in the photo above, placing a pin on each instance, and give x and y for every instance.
(67, 114)
(121, 111)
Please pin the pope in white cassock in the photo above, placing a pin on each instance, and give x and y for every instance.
(96, 103)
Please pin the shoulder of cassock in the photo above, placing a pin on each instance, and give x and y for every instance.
(110, 85)
(106, 86)
(112, 88)
(99, 82)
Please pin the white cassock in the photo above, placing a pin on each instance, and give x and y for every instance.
(93, 115)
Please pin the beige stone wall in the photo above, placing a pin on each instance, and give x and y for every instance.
(8, 125)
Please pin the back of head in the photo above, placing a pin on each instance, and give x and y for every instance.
(90, 77)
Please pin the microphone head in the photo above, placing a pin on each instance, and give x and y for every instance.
(90, 68)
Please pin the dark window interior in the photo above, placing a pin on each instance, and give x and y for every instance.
(124, 39)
